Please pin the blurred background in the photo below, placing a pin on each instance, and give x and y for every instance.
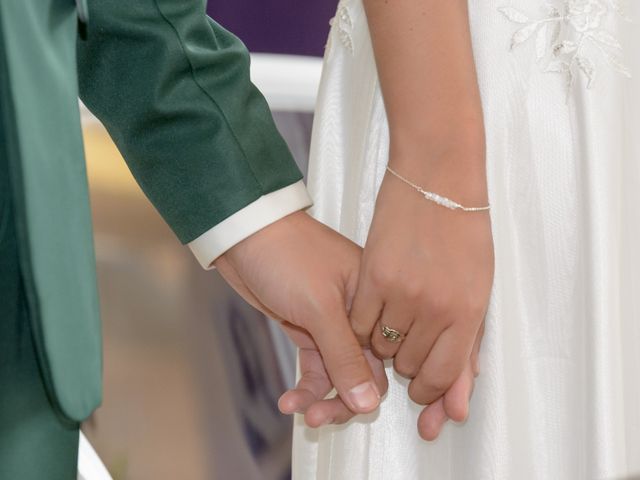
(191, 373)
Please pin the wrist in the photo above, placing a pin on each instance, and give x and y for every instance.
(273, 234)
(462, 163)
(453, 169)
(451, 144)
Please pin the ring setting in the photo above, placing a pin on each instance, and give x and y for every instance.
(391, 334)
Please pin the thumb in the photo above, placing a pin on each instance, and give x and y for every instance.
(345, 362)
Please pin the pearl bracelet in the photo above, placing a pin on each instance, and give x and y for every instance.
(435, 198)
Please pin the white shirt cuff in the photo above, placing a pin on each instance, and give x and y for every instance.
(254, 217)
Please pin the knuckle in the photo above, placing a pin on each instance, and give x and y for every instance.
(347, 358)
(472, 303)
(414, 291)
(417, 393)
(362, 327)
(364, 339)
(362, 332)
(440, 303)
(475, 308)
(426, 390)
(381, 349)
(310, 377)
(439, 383)
(405, 368)
(382, 278)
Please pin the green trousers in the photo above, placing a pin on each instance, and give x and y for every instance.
(35, 443)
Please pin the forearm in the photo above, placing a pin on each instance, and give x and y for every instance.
(427, 74)
(426, 270)
(173, 89)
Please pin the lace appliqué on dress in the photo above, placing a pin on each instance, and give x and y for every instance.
(571, 38)
(342, 22)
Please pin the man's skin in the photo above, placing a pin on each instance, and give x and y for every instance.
(304, 275)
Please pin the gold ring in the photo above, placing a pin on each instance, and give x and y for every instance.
(391, 334)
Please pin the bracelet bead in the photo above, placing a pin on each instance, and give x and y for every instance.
(438, 199)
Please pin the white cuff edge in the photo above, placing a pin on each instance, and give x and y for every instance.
(254, 217)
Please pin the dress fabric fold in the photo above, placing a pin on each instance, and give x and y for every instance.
(558, 395)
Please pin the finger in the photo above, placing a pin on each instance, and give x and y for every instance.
(314, 384)
(396, 316)
(443, 366)
(379, 373)
(365, 311)
(324, 412)
(334, 411)
(431, 420)
(415, 348)
(475, 353)
(456, 400)
(297, 400)
(329, 411)
(344, 360)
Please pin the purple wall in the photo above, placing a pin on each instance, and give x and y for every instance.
(277, 26)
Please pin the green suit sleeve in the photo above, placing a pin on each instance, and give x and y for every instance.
(172, 88)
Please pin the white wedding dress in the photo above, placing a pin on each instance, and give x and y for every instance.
(559, 393)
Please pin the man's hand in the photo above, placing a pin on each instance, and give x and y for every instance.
(314, 385)
(308, 397)
(304, 275)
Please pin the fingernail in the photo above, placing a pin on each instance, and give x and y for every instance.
(365, 396)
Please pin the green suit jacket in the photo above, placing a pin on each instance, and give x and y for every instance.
(172, 87)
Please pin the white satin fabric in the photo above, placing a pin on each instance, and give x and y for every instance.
(559, 394)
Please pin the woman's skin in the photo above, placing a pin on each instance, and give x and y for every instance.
(426, 270)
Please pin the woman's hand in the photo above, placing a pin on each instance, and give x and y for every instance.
(427, 272)
(308, 397)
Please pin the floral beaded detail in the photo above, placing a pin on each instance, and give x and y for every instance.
(571, 38)
(342, 22)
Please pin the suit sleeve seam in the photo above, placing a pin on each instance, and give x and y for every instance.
(208, 95)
